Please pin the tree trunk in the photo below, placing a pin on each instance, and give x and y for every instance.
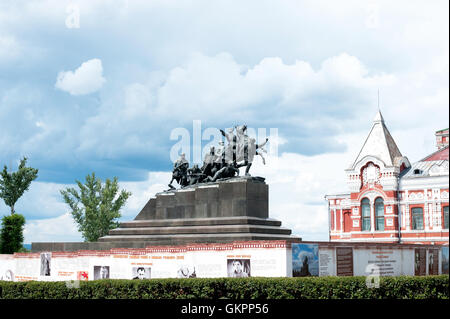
(12, 210)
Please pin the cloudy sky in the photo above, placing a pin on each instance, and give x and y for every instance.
(100, 86)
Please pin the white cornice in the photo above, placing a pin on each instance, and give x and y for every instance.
(424, 182)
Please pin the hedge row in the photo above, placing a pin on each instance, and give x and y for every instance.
(234, 288)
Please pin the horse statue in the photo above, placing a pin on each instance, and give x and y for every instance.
(222, 161)
(241, 148)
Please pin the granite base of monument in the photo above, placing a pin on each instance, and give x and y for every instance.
(235, 209)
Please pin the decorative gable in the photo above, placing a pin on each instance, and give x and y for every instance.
(370, 175)
(380, 144)
(379, 161)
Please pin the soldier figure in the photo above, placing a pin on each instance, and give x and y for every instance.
(210, 167)
(195, 175)
(180, 172)
(228, 171)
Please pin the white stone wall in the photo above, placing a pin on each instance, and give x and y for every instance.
(263, 259)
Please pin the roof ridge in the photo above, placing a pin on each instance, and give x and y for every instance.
(434, 153)
(364, 144)
(394, 148)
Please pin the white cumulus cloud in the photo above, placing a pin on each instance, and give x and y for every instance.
(58, 229)
(88, 78)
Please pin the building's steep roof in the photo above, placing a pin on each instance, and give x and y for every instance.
(439, 155)
(379, 143)
(435, 164)
(426, 169)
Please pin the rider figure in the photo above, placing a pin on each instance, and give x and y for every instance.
(195, 175)
(180, 171)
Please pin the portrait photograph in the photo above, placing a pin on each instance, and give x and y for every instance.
(7, 276)
(45, 264)
(238, 268)
(186, 271)
(101, 272)
(141, 273)
(444, 262)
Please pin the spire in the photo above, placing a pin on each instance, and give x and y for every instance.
(379, 143)
(378, 117)
(378, 100)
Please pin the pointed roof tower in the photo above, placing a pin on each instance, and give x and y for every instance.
(379, 143)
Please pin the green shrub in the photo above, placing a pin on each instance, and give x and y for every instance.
(11, 234)
(402, 287)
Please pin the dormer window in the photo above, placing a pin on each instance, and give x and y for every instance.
(417, 171)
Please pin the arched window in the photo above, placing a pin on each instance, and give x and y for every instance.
(379, 214)
(365, 212)
(417, 218)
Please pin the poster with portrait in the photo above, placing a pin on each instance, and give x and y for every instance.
(7, 267)
(420, 266)
(46, 264)
(141, 272)
(101, 272)
(444, 262)
(433, 262)
(305, 260)
(186, 271)
(238, 268)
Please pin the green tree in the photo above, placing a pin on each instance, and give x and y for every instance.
(96, 208)
(12, 187)
(14, 184)
(11, 234)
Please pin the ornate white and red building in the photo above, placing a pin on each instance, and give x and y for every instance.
(390, 199)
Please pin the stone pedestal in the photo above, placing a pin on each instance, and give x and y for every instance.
(230, 210)
(231, 198)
